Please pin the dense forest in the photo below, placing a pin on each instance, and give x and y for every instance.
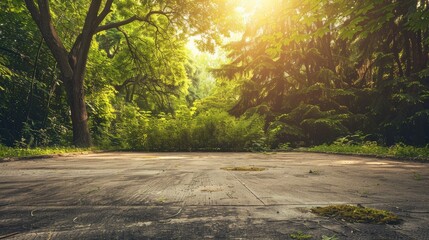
(181, 75)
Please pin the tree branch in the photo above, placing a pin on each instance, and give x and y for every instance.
(32, 8)
(130, 20)
(91, 17)
(92, 22)
(78, 56)
(116, 24)
(104, 13)
(129, 44)
(42, 16)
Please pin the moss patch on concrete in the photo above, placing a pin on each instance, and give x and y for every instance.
(357, 214)
(244, 169)
(300, 236)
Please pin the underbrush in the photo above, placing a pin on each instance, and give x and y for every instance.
(8, 152)
(372, 148)
(186, 130)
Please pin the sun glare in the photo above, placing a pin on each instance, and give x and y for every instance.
(247, 8)
(240, 10)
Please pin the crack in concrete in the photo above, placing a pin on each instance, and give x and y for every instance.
(250, 190)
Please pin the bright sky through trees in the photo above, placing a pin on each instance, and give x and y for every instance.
(245, 9)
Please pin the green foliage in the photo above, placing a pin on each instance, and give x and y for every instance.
(5, 72)
(143, 58)
(280, 132)
(307, 124)
(299, 235)
(319, 82)
(401, 150)
(8, 152)
(357, 214)
(358, 138)
(372, 148)
(323, 129)
(185, 130)
(102, 114)
(32, 105)
(313, 72)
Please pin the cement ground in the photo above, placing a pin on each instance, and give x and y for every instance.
(190, 196)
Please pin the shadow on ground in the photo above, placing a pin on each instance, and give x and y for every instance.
(193, 196)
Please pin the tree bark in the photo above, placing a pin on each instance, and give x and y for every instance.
(79, 116)
(417, 50)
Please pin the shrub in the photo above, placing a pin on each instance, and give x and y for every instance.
(185, 131)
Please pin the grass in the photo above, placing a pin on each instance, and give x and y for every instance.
(417, 176)
(371, 148)
(244, 169)
(8, 152)
(300, 236)
(357, 214)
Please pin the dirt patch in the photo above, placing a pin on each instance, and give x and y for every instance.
(211, 189)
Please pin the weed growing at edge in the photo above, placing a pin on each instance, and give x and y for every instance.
(357, 214)
(299, 235)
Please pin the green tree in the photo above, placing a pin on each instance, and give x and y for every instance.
(322, 69)
(191, 16)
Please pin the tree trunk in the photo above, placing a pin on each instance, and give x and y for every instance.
(407, 54)
(79, 115)
(396, 56)
(417, 50)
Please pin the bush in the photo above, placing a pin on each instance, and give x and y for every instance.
(187, 131)
(307, 125)
(280, 133)
(323, 129)
(102, 114)
(372, 148)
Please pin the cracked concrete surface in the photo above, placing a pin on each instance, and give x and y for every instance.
(189, 196)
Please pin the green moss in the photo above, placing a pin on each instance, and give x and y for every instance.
(300, 236)
(357, 214)
(417, 176)
(244, 168)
